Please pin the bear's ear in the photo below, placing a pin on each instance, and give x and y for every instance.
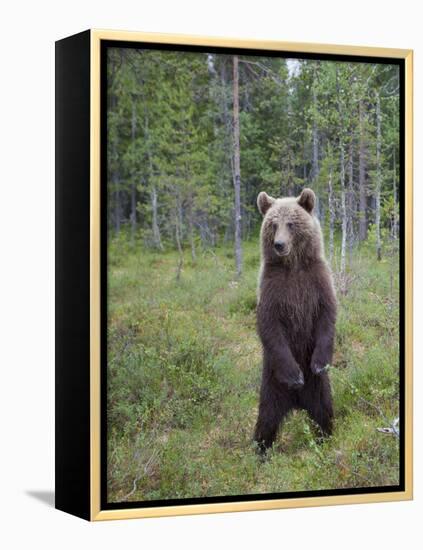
(264, 202)
(307, 199)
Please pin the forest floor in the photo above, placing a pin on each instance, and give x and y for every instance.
(184, 367)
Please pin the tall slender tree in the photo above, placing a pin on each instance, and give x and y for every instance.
(378, 183)
(237, 167)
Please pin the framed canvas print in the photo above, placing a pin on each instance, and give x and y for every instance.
(233, 275)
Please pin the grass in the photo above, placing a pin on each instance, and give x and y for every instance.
(184, 367)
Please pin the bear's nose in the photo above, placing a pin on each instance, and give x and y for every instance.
(279, 246)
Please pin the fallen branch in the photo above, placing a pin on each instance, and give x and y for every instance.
(392, 430)
(139, 476)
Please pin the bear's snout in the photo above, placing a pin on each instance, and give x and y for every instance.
(280, 247)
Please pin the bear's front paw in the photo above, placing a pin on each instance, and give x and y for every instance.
(297, 383)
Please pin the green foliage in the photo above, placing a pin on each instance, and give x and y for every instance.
(184, 373)
(170, 142)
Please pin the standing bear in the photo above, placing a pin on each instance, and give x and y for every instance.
(296, 315)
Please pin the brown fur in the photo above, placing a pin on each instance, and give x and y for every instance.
(296, 316)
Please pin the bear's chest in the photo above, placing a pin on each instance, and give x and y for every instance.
(298, 299)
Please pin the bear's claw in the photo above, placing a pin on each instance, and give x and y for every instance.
(318, 369)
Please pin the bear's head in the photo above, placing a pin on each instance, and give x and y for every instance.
(290, 232)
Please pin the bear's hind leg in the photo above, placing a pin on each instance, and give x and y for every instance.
(275, 403)
(316, 399)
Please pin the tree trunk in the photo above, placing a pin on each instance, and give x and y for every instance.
(283, 175)
(157, 242)
(331, 217)
(133, 177)
(191, 231)
(227, 142)
(350, 209)
(133, 212)
(117, 201)
(155, 226)
(362, 227)
(178, 236)
(315, 154)
(378, 178)
(116, 187)
(315, 158)
(115, 176)
(237, 168)
(343, 212)
(394, 191)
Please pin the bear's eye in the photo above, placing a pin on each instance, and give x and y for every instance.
(290, 225)
(275, 226)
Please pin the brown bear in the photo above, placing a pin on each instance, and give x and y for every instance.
(296, 315)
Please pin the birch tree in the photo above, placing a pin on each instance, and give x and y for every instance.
(378, 183)
(362, 174)
(237, 167)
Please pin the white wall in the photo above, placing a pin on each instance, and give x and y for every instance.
(28, 31)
